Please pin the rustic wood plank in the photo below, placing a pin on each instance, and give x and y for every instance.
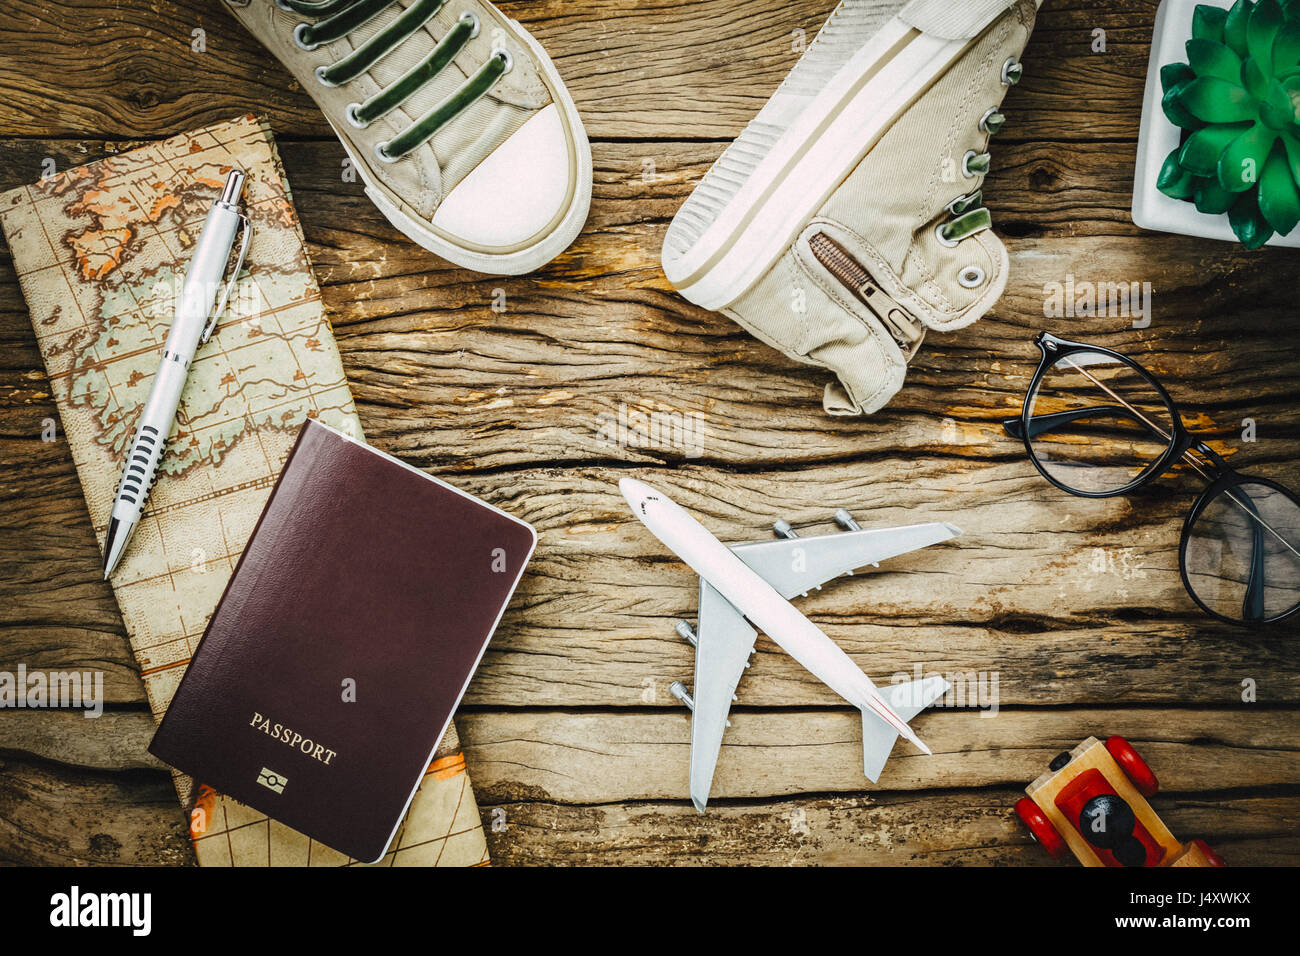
(1223, 780)
(1089, 611)
(64, 816)
(423, 345)
(676, 69)
(52, 815)
(1037, 190)
(115, 740)
(435, 368)
(599, 758)
(580, 758)
(56, 612)
(942, 829)
(446, 392)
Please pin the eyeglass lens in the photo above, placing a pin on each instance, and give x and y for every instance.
(1096, 424)
(1241, 557)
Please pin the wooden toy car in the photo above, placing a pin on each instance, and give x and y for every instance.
(1092, 801)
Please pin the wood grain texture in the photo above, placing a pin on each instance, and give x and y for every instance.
(697, 69)
(597, 758)
(560, 787)
(1085, 611)
(114, 740)
(61, 816)
(570, 730)
(938, 829)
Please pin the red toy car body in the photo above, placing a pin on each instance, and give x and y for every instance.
(1093, 803)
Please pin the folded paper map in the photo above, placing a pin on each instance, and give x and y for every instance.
(101, 251)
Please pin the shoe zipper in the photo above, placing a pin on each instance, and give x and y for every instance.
(904, 327)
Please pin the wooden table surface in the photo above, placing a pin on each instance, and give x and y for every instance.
(577, 751)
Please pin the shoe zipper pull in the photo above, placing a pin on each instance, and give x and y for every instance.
(906, 330)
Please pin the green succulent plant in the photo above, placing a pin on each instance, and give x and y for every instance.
(1237, 100)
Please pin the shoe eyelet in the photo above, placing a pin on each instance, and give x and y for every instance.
(470, 17)
(320, 76)
(298, 32)
(944, 240)
(381, 153)
(1012, 71)
(972, 277)
(955, 207)
(965, 163)
(353, 119)
(984, 121)
(504, 55)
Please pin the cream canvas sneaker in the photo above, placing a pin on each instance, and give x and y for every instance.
(455, 117)
(847, 220)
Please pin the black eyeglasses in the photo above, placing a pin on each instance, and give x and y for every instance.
(1096, 424)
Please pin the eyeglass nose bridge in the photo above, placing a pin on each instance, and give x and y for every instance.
(1215, 458)
(1187, 446)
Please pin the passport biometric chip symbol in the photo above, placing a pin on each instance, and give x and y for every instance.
(272, 780)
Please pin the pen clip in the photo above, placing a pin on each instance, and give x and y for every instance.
(246, 230)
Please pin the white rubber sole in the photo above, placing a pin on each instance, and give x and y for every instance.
(741, 241)
(515, 261)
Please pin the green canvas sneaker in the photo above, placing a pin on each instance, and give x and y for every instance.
(454, 116)
(847, 219)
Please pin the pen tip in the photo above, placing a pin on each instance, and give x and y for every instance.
(112, 546)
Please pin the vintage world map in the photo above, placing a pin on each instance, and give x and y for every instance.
(101, 251)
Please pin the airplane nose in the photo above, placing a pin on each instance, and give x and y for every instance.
(634, 491)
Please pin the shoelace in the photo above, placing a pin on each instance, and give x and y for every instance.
(968, 214)
(334, 19)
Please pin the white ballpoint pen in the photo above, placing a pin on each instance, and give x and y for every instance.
(195, 319)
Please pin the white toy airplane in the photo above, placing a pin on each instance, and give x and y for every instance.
(747, 587)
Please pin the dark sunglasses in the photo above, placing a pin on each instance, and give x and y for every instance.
(1096, 424)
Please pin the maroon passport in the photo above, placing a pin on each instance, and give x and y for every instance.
(344, 641)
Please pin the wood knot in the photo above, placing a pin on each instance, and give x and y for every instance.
(1043, 178)
(144, 99)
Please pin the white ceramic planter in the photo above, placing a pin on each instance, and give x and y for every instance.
(1152, 209)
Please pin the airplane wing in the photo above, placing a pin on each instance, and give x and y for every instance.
(797, 565)
(724, 642)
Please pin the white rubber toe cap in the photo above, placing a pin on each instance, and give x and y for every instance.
(517, 191)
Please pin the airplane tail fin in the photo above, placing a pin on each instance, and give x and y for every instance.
(907, 700)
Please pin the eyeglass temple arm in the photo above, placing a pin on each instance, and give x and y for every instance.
(1252, 605)
(1188, 457)
(1038, 424)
